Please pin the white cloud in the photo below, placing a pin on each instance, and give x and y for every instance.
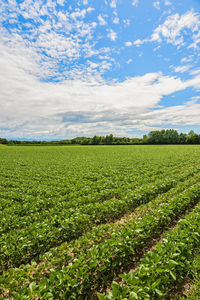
(116, 20)
(62, 36)
(156, 4)
(187, 114)
(195, 71)
(81, 102)
(138, 42)
(85, 106)
(93, 65)
(194, 99)
(182, 69)
(128, 44)
(113, 3)
(156, 48)
(174, 28)
(61, 16)
(135, 2)
(167, 2)
(196, 40)
(101, 20)
(187, 59)
(61, 2)
(112, 35)
(129, 61)
(81, 13)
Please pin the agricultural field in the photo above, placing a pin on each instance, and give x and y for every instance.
(100, 222)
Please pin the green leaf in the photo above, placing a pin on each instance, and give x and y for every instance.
(173, 275)
(133, 295)
(159, 292)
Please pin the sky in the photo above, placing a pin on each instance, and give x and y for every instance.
(86, 67)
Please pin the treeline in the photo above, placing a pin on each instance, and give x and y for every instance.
(171, 136)
(162, 137)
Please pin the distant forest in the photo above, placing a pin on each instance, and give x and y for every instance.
(162, 137)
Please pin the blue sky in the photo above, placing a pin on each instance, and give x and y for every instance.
(84, 68)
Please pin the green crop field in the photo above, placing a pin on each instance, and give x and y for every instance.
(100, 222)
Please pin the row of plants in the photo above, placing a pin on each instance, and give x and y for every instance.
(91, 264)
(33, 210)
(56, 256)
(93, 269)
(191, 284)
(39, 185)
(28, 206)
(162, 267)
(35, 187)
(49, 193)
(45, 178)
(20, 246)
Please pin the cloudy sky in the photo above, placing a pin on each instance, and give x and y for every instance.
(85, 67)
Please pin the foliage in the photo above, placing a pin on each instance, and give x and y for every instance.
(57, 205)
(169, 262)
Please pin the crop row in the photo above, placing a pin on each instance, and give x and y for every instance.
(164, 266)
(28, 209)
(100, 232)
(67, 179)
(96, 266)
(20, 246)
(57, 257)
(190, 288)
(37, 184)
